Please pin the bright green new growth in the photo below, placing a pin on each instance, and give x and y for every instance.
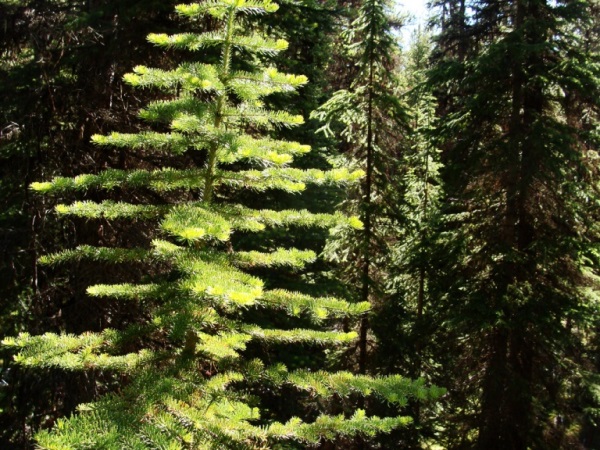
(191, 386)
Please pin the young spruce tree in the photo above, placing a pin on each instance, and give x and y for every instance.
(185, 378)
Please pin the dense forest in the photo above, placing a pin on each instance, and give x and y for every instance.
(257, 224)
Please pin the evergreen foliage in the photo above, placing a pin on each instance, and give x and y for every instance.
(520, 203)
(180, 299)
(186, 381)
(60, 71)
(400, 319)
(372, 120)
(382, 119)
(401, 323)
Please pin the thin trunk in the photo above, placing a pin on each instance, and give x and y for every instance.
(366, 282)
(421, 290)
(493, 417)
(421, 294)
(192, 339)
(462, 44)
(212, 153)
(420, 300)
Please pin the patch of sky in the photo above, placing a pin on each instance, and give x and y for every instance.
(417, 13)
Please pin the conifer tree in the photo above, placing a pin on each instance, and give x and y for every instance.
(405, 196)
(383, 119)
(183, 374)
(419, 186)
(61, 65)
(512, 290)
(372, 121)
(401, 324)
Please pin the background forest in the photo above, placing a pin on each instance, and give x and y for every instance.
(240, 224)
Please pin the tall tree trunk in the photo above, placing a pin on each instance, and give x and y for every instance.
(366, 282)
(507, 409)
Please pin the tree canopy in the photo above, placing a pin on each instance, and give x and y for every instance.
(248, 224)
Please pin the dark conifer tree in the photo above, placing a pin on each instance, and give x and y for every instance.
(61, 65)
(519, 198)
